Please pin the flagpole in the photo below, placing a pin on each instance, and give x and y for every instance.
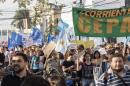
(125, 47)
(25, 23)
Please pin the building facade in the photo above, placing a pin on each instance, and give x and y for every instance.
(5, 31)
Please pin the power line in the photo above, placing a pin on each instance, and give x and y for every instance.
(69, 6)
(94, 4)
(91, 5)
(97, 5)
(64, 11)
(13, 18)
(15, 11)
(84, 6)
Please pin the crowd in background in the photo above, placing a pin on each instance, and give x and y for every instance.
(77, 67)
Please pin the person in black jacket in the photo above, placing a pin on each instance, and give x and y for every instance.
(35, 80)
(2, 56)
(19, 66)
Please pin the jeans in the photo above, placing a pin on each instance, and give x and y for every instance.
(87, 82)
(69, 82)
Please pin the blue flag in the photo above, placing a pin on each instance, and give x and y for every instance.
(37, 36)
(9, 43)
(18, 39)
(13, 42)
(50, 38)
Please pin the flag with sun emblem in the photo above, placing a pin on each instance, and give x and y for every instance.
(63, 41)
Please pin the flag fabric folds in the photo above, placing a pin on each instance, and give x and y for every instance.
(36, 36)
(10, 45)
(18, 39)
(63, 42)
(62, 25)
(50, 38)
(15, 40)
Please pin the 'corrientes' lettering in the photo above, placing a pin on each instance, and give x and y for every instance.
(107, 13)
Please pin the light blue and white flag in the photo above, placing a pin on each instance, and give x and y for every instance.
(62, 25)
(63, 42)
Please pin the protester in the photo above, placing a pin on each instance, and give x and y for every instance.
(97, 70)
(57, 81)
(35, 81)
(80, 49)
(87, 71)
(79, 59)
(19, 65)
(52, 64)
(61, 58)
(7, 58)
(41, 60)
(80, 66)
(116, 75)
(2, 56)
(68, 67)
(34, 66)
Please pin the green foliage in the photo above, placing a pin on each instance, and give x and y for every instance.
(18, 18)
(36, 18)
(23, 3)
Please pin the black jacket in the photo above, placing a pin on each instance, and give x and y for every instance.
(2, 58)
(13, 80)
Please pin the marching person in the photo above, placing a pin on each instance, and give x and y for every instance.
(52, 64)
(19, 63)
(116, 75)
(35, 81)
(34, 66)
(2, 56)
(68, 68)
(87, 70)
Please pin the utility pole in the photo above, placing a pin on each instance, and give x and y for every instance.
(26, 20)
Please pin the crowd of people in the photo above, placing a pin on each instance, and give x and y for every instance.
(105, 65)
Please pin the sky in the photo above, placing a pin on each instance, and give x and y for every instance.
(66, 11)
(8, 10)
